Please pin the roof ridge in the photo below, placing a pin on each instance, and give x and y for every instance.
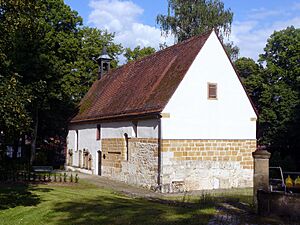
(187, 40)
(161, 51)
(141, 86)
(171, 46)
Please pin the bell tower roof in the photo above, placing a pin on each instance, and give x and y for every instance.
(104, 62)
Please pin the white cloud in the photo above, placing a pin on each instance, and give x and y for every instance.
(251, 35)
(263, 13)
(121, 17)
(113, 15)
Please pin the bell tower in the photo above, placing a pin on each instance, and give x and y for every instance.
(104, 63)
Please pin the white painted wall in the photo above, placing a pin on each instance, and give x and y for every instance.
(193, 116)
(148, 128)
(86, 140)
(145, 129)
(87, 136)
(71, 140)
(117, 129)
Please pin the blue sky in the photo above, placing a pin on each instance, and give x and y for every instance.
(133, 21)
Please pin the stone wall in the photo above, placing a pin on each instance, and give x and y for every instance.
(206, 164)
(139, 167)
(112, 154)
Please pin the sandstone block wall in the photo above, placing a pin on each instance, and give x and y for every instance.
(206, 164)
(139, 167)
(112, 154)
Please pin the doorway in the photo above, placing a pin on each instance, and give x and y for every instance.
(99, 162)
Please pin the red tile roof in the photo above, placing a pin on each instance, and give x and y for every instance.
(140, 87)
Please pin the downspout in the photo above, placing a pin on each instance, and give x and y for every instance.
(159, 155)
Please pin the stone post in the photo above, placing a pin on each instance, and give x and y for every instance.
(261, 172)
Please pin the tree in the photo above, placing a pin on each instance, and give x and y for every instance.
(232, 50)
(14, 118)
(186, 19)
(274, 86)
(138, 53)
(80, 74)
(280, 100)
(44, 42)
(251, 74)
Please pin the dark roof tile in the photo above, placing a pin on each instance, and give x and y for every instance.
(140, 87)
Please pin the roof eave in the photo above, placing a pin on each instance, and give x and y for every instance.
(121, 117)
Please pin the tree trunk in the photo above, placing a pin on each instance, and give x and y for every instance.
(34, 136)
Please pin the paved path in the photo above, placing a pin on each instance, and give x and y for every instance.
(228, 214)
(240, 214)
(119, 187)
(130, 190)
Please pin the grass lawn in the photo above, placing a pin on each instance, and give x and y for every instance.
(87, 204)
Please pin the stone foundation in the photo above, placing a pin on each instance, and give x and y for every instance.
(206, 164)
(186, 164)
(139, 166)
(77, 169)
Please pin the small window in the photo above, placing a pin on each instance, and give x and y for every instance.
(98, 134)
(212, 91)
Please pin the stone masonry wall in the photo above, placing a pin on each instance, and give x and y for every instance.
(140, 167)
(206, 164)
(112, 154)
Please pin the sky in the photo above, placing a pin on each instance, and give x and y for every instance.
(134, 21)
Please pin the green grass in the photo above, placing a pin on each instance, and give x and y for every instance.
(86, 204)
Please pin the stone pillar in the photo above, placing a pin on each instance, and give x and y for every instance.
(261, 172)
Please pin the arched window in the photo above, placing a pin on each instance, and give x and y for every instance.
(126, 146)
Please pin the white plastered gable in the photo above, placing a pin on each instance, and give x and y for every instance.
(194, 116)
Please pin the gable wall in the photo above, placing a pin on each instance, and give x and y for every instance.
(193, 116)
(208, 144)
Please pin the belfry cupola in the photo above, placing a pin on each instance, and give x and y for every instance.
(104, 63)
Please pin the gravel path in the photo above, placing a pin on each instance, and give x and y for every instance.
(119, 187)
(227, 213)
(240, 214)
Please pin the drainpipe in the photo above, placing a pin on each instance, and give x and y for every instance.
(159, 154)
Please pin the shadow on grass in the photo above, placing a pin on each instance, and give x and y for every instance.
(13, 195)
(123, 210)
